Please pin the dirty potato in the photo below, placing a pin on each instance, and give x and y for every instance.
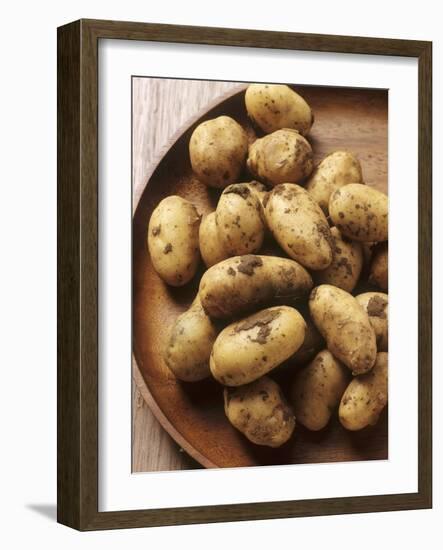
(299, 226)
(345, 326)
(365, 397)
(190, 344)
(239, 221)
(218, 150)
(250, 348)
(379, 274)
(173, 240)
(337, 169)
(317, 390)
(346, 266)
(239, 284)
(281, 157)
(276, 106)
(211, 246)
(260, 412)
(376, 306)
(360, 212)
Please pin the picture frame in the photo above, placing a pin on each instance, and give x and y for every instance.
(77, 278)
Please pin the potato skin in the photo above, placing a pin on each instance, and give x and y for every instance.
(250, 348)
(376, 306)
(260, 412)
(190, 344)
(239, 222)
(211, 247)
(365, 397)
(345, 326)
(335, 170)
(218, 150)
(317, 390)
(345, 268)
(299, 226)
(173, 240)
(280, 157)
(379, 273)
(239, 284)
(360, 212)
(275, 106)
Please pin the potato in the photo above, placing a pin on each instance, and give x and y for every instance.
(239, 222)
(250, 348)
(190, 344)
(379, 274)
(346, 266)
(317, 390)
(211, 242)
(260, 412)
(218, 150)
(275, 106)
(299, 226)
(376, 306)
(211, 246)
(239, 284)
(173, 240)
(365, 397)
(337, 169)
(281, 157)
(345, 326)
(360, 212)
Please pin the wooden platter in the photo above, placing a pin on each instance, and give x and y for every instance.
(353, 119)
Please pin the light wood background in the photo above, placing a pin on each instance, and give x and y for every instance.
(160, 108)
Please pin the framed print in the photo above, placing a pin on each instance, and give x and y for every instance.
(225, 202)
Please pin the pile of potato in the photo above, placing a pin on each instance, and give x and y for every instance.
(328, 232)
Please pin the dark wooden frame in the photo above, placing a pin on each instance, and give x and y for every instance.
(77, 457)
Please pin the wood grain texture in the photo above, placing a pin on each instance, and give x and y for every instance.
(425, 274)
(254, 38)
(193, 413)
(68, 275)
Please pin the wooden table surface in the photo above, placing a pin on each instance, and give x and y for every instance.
(170, 103)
